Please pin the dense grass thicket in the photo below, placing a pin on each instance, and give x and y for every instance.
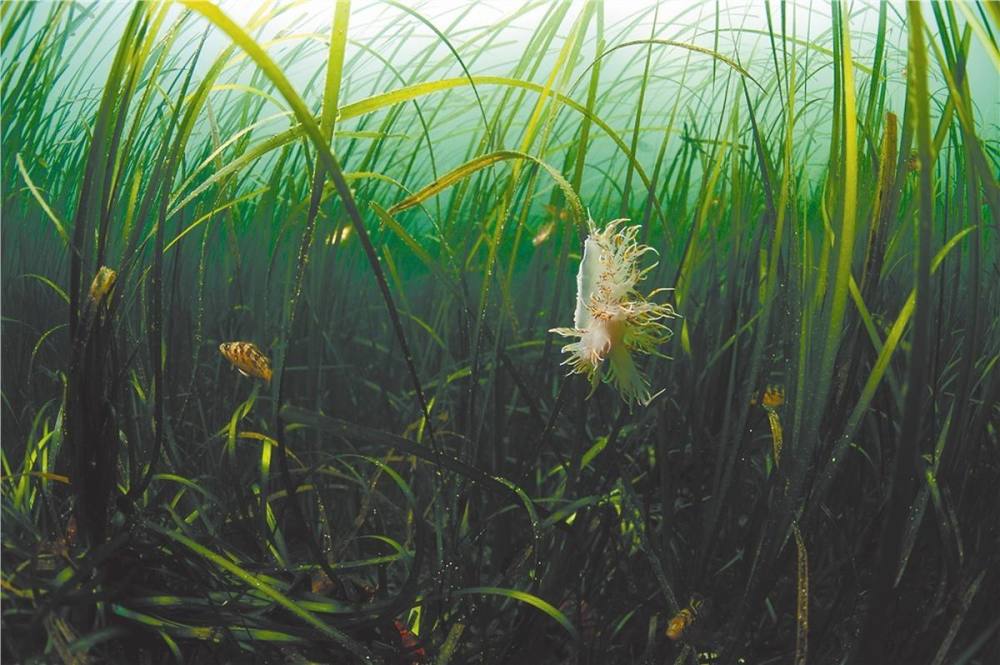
(391, 200)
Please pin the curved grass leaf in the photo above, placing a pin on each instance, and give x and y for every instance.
(56, 222)
(830, 468)
(735, 66)
(479, 163)
(527, 598)
(257, 583)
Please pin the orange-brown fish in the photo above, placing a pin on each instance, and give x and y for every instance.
(70, 536)
(247, 358)
(352, 588)
(683, 619)
(49, 552)
(543, 234)
(561, 214)
(320, 583)
(580, 612)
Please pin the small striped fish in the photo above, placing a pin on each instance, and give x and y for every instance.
(247, 358)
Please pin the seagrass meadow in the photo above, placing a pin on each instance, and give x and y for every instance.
(323, 340)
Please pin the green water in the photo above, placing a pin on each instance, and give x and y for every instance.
(777, 435)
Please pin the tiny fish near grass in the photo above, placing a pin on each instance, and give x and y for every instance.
(248, 359)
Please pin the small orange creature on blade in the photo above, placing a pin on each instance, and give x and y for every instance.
(773, 397)
(681, 621)
(103, 282)
(410, 645)
(247, 358)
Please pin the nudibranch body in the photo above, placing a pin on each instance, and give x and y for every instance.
(613, 320)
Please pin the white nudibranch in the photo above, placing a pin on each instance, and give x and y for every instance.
(613, 320)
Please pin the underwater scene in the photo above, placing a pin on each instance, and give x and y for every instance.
(529, 332)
